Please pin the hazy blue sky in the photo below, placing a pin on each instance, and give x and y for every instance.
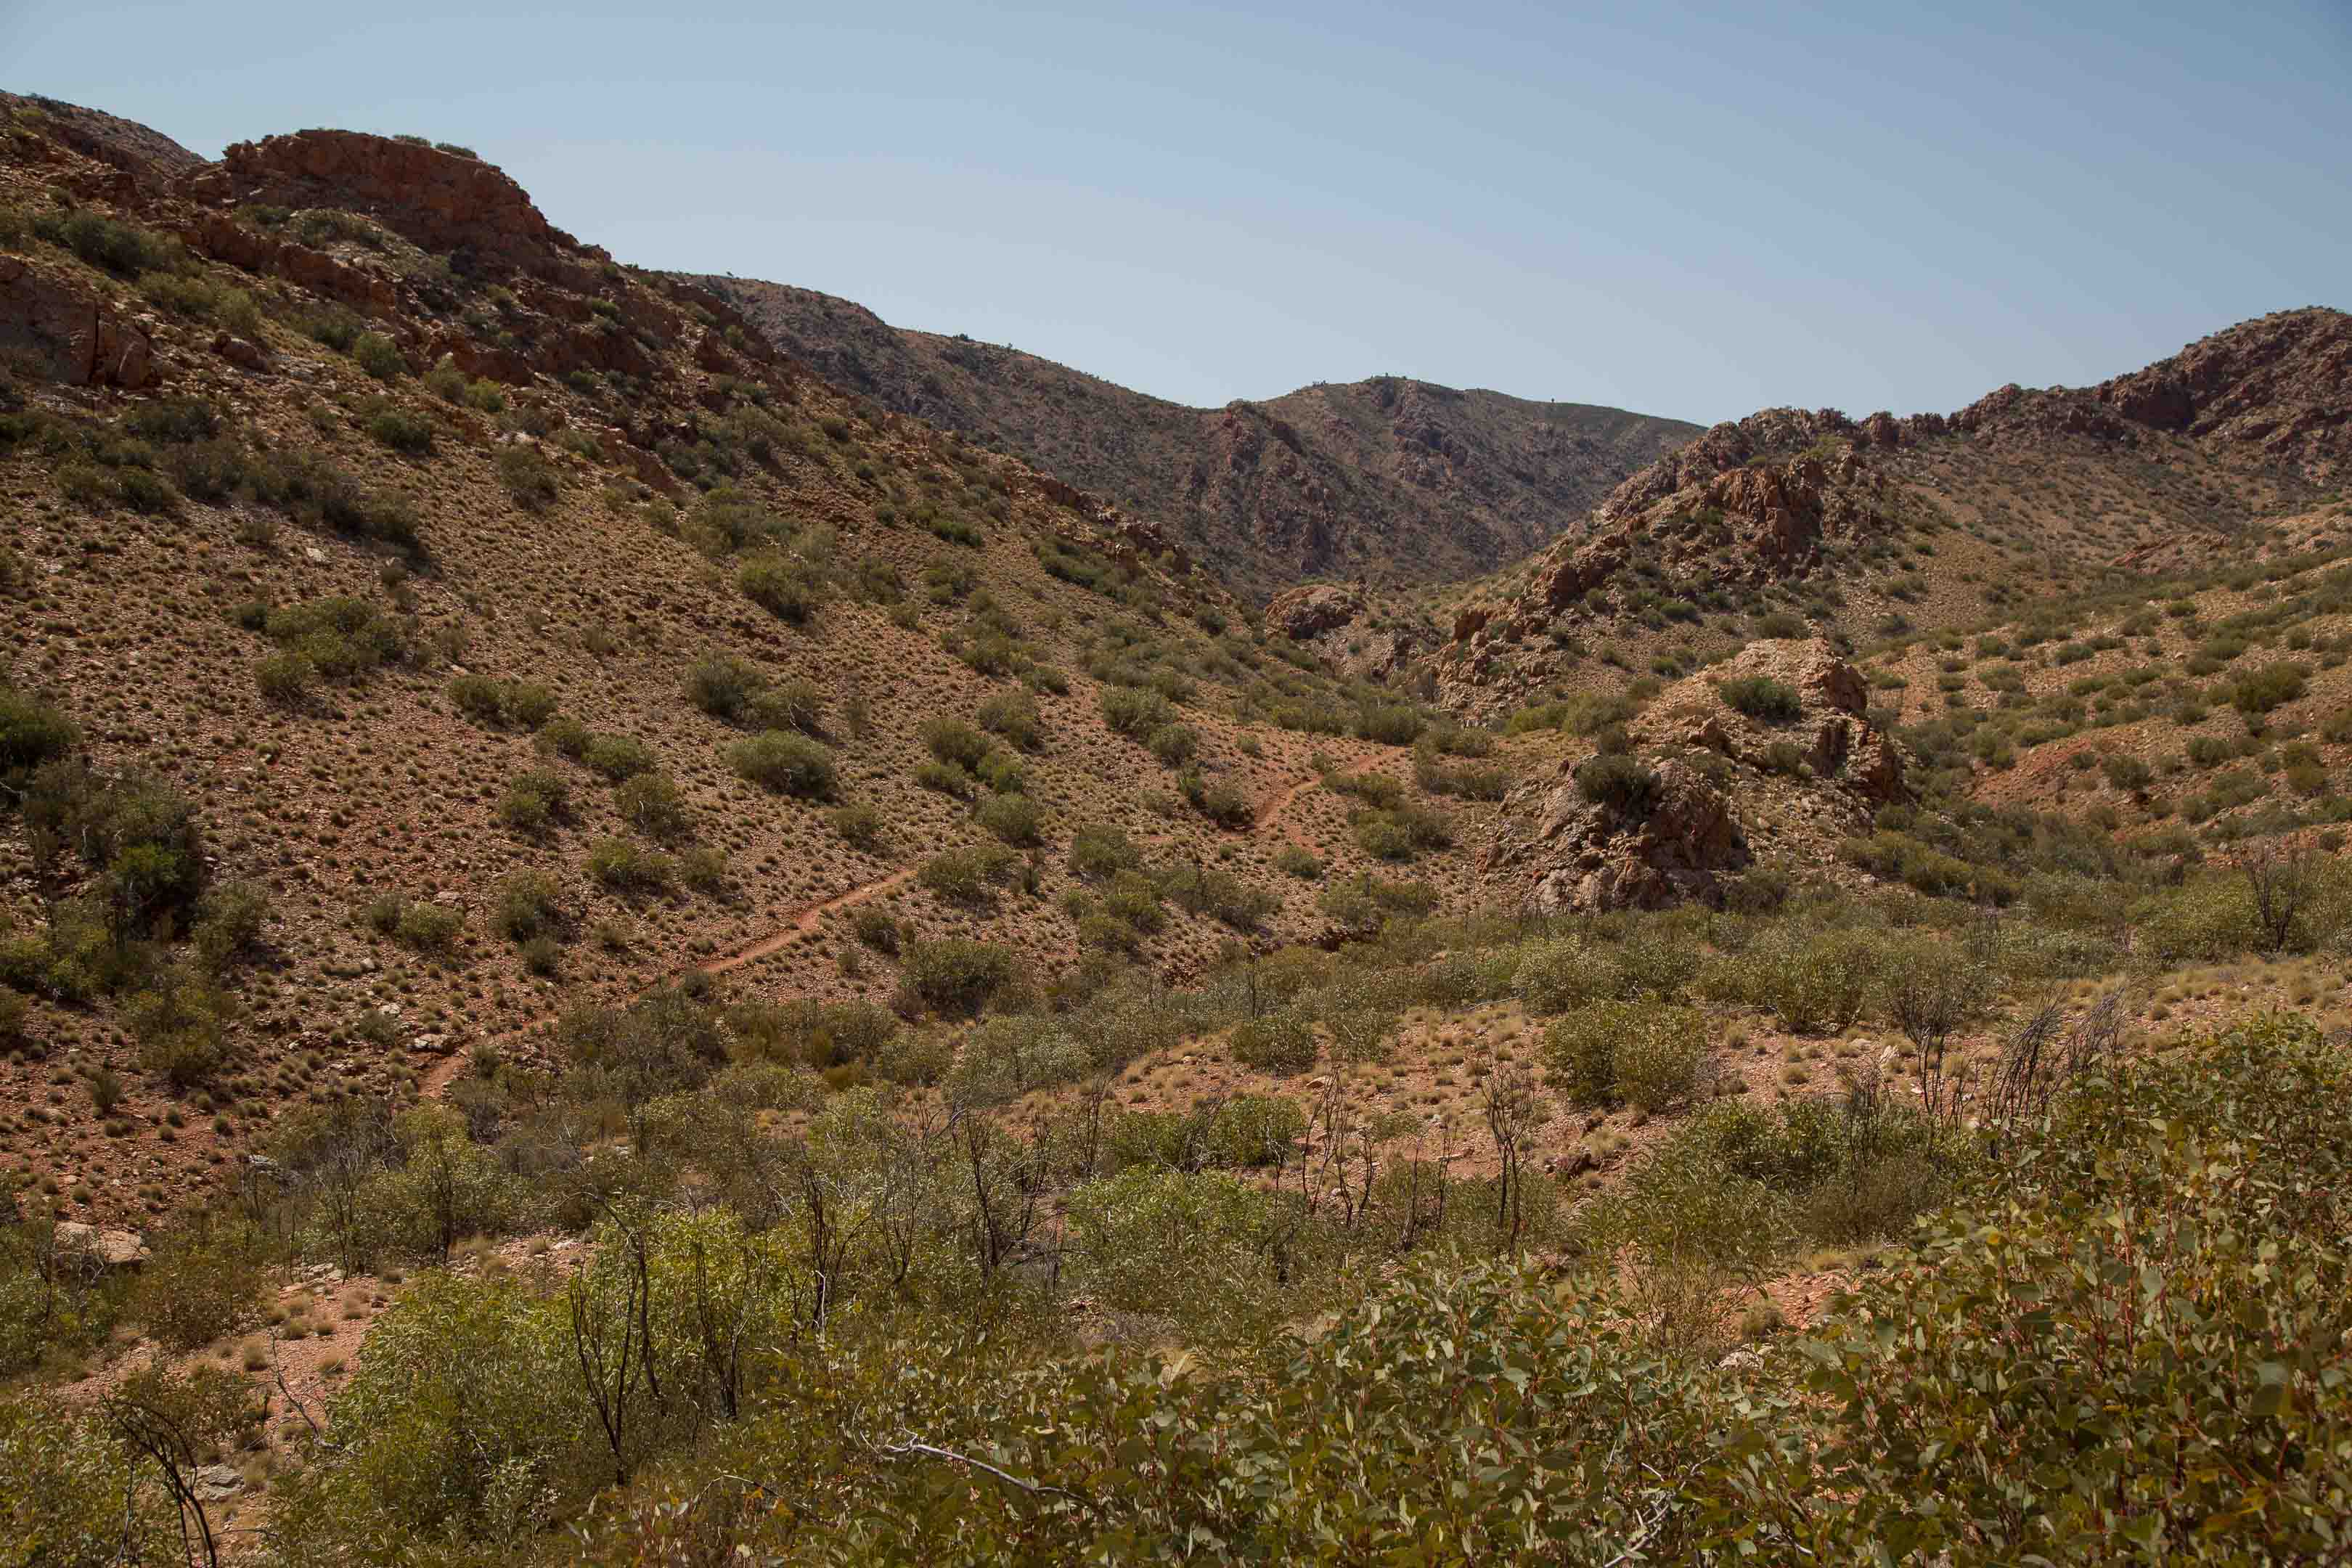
(1687, 209)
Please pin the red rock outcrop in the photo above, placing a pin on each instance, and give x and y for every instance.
(1707, 820)
(67, 330)
(443, 202)
(1311, 609)
(1581, 856)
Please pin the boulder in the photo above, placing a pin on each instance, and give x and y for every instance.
(107, 1248)
(240, 351)
(1313, 608)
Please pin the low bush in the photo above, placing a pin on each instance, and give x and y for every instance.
(1619, 782)
(1763, 699)
(787, 705)
(378, 356)
(952, 742)
(653, 805)
(626, 868)
(955, 975)
(786, 586)
(618, 757)
(1012, 716)
(1014, 818)
(536, 801)
(1280, 1044)
(530, 478)
(525, 905)
(1605, 1054)
(861, 827)
(1135, 711)
(723, 684)
(967, 875)
(392, 426)
(788, 764)
(2272, 686)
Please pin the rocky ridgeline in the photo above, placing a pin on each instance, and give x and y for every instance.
(1755, 500)
(1729, 792)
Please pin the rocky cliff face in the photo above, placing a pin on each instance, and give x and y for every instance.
(67, 333)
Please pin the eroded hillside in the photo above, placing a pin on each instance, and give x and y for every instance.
(450, 626)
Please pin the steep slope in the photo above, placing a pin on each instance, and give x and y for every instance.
(450, 626)
(1396, 481)
(1787, 518)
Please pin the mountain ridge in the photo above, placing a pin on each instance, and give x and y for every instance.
(1390, 478)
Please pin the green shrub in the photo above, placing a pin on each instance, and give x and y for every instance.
(1222, 802)
(1812, 983)
(535, 801)
(1280, 1044)
(428, 927)
(312, 488)
(1619, 782)
(2128, 773)
(378, 356)
(618, 757)
(1012, 715)
(789, 763)
(1135, 711)
(529, 477)
(1604, 1053)
(2272, 686)
(784, 585)
(1294, 861)
(1099, 851)
(229, 921)
(524, 905)
(861, 827)
(1014, 818)
(176, 419)
(181, 1023)
(874, 928)
(394, 426)
(190, 1294)
(787, 705)
(1365, 902)
(1390, 724)
(723, 684)
(967, 875)
(1173, 745)
(1763, 699)
(625, 867)
(32, 731)
(1560, 972)
(953, 741)
(477, 697)
(812, 1034)
(123, 248)
(955, 975)
(1222, 896)
(653, 805)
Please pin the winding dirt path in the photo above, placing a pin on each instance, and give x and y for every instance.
(1271, 809)
(803, 920)
(806, 919)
